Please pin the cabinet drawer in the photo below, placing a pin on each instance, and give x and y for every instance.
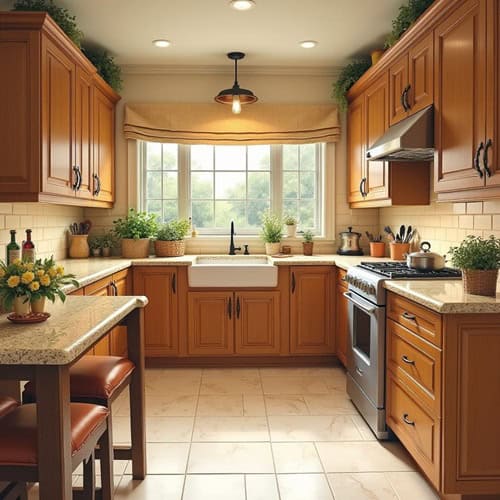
(416, 362)
(417, 430)
(416, 318)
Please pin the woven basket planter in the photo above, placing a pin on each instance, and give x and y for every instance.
(479, 282)
(169, 248)
(135, 249)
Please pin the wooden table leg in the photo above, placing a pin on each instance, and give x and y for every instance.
(135, 339)
(54, 432)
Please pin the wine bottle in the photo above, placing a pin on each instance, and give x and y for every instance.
(13, 249)
(28, 248)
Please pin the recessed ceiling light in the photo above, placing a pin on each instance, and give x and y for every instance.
(162, 43)
(308, 44)
(242, 4)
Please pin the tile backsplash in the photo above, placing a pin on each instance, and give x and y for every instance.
(50, 224)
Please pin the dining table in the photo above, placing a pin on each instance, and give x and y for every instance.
(44, 352)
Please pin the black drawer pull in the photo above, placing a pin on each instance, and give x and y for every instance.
(407, 360)
(174, 283)
(406, 421)
(230, 308)
(293, 282)
(238, 308)
(477, 166)
(489, 144)
(409, 316)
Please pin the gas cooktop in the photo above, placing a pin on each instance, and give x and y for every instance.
(399, 270)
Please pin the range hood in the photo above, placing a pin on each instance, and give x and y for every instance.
(409, 140)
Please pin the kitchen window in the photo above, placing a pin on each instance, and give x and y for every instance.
(217, 184)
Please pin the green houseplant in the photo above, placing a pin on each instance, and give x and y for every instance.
(348, 76)
(170, 238)
(106, 66)
(135, 231)
(272, 232)
(308, 244)
(479, 260)
(60, 15)
(107, 242)
(290, 222)
(95, 246)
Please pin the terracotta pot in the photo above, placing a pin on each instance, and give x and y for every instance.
(38, 305)
(169, 248)
(377, 249)
(480, 282)
(272, 248)
(106, 251)
(21, 305)
(307, 248)
(135, 249)
(79, 246)
(291, 230)
(376, 55)
(399, 250)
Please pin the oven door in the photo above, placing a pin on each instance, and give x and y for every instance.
(366, 347)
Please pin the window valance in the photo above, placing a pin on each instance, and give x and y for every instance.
(215, 124)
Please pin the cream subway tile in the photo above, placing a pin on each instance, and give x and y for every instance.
(2, 222)
(449, 221)
(475, 207)
(5, 208)
(26, 221)
(12, 221)
(491, 207)
(466, 222)
(459, 208)
(451, 234)
(482, 221)
(496, 222)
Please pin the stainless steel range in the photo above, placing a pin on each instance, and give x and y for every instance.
(366, 349)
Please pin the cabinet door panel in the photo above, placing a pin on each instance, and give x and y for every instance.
(311, 310)
(376, 123)
(355, 149)
(421, 74)
(210, 323)
(160, 315)
(58, 109)
(459, 97)
(257, 323)
(398, 80)
(100, 289)
(119, 333)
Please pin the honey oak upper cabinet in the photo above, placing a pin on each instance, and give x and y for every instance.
(56, 117)
(356, 149)
(467, 102)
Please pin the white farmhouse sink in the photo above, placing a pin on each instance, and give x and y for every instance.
(216, 271)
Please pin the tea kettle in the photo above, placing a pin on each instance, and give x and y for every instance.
(349, 244)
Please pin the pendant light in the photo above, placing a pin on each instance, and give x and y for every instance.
(236, 96)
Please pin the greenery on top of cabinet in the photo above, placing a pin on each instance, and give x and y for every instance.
(348, 76)
(106, 66)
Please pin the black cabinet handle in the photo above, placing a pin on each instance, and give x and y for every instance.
(115, 288)
(97, 185)
(407, 421)
(402, 100)
(362, 187)
(405, 98)
(230, 308)
(293, 282)
(174, 283)
(238, 308)
(78, 178)
(489, 144)
(409, 316)
(476, 160)
(407, 360)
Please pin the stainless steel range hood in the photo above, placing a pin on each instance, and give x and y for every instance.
(409, 140)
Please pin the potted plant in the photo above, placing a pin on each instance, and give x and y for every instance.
(107, 241)
(272, 232)
(135, 231)
(479, 261)
(291, 225)
(308, 244)
(26, 285)
(347, 77)
(95, 246)
(170, 238)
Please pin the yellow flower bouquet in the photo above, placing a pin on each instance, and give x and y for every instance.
(33, 281)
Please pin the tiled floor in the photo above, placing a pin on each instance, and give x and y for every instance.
(260, 434)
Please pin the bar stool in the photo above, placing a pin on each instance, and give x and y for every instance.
(10, 491)
(97, 380)
(7, 404)
(89, 427)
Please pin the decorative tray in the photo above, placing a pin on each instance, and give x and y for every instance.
(28, 318)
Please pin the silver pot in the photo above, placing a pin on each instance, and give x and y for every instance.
(349, 243)
(425, 260)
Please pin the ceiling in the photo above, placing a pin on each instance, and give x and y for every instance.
(203, 31)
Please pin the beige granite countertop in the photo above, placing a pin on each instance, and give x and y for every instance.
(444, 296)
(72, 328)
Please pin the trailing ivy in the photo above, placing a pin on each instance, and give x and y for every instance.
(106, 66)
(408, 14)
(348, 76)
(60, 15)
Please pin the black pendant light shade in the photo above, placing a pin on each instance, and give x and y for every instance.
(236, 94)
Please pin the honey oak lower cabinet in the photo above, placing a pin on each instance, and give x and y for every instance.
(341, 318)
(239, 322)
(159, 285)
(312, 310)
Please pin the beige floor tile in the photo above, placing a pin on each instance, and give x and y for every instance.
(227, 429)
(411, 486)
(121, 405)
(172, 380)
(364, 456)
(158, 429)
(294, 385)
(78, 481)
(261, 487)
(173, 405)
(278, 404)
(296, 458)
(214, 487)
(230, 458)
(231, 372)
(231, 383)
(152, 487)
(362, 486)
(336, 383)
(363, 427)
(312, 428)
(165, 458)
(291, 371)
(333, 403)
(302, 486)
(220, 405)
(253, 405)
(119, 467)
(121, 430)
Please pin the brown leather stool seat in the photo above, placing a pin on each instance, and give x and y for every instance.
(93, 378)
(18, 431)
(6, 405)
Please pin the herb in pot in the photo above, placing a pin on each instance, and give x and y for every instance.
(174, 230)
(272, 228)
(136, 225)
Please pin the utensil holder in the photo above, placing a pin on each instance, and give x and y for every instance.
(79, 247)
(377, 249)
(398, 251)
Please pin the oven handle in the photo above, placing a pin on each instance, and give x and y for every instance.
(368, 310)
